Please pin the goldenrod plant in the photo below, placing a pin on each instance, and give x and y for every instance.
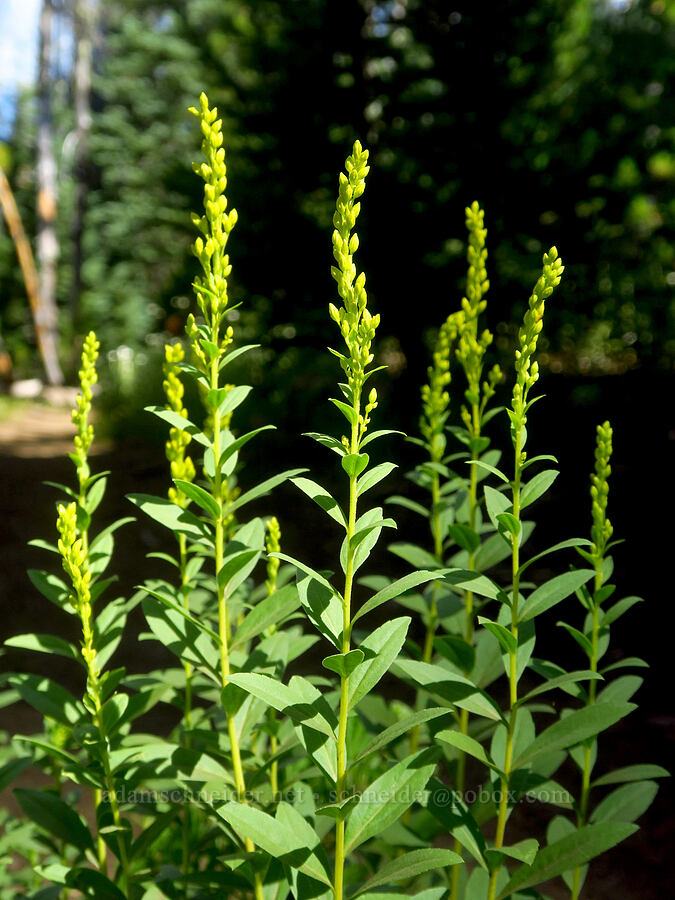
(346, 777)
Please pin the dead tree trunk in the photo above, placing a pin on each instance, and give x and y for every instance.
(26, 261)
(47, 243)
(84, 15)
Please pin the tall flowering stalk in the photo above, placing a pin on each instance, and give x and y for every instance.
(210, 342)
(73, 527)
(527, 374)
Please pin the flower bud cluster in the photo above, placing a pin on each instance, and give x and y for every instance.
(75, 563)
(435, 397)
(80, 415)
(601, 530)
(472, 346)
(216, 223)
(527, 369)
(356, 324)
(272, 545)
(182, 466)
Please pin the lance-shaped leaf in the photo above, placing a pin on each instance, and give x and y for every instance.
(631, 773)
(45, 643)
(450, 810)
(400, 728)
(567, 853)
(180, 634)
(553, 591)
(55, 816)
(316, 864)
(203, 499)
(171, 516)
(451, 687)
(177, 421)
(400, 586)
(410, 865)
(343, 664)
(320, 746)
(322, 498)
(48, 697)
(373, 476)
(261, 489)
(285, 698)
(273, 610)
(467, 744)
(626, 803)
(379, 650)
(579, 725)
(387, 798)
(537, 486)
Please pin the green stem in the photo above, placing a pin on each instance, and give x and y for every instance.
(468, 637)
(187, 706)
(340, 785)
(223, 615)
(586, 774)
(513, 671)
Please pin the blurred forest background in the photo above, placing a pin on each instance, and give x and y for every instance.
(557, 115)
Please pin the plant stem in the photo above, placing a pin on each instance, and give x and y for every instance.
(223, 614)
(586, 775)
(460, 779)
(513, 660)
(338, 886)
(187, 707)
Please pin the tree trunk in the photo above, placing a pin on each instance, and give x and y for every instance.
(47, 242)
(85, 17)
(26, 261)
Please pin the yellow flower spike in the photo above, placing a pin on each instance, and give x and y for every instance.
(272, 545)
(182, 466)
(80, 415)
(601, 530)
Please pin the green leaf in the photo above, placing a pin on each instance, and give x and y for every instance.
(464, 537)
(553, 591)
(51, 587)
(367, 531)
(338, 811)
(93, 884)
(45, 643)
(322, 498)
(201, 497)
(451, 687)
(631, 773)
(508, 524)
(236, 569)
(55, 816)
(343, 663)
(395, 589)
(327, 440)
(416, 556)
(577, 727)
(378, 650)
(618, 609)
(48, 697)
(388, 797)
(227, 400)
(323, 607)
(183, 636)
(580, 638)
(355, 463)
(373, 477)
(496, 503)
(410, 865)
(112, 712)
(400, 728)
(316, 864)
(567, 853)
(524, 851)
(483, 465)
(467, 744)
(449, 809)
(507, 641)
(177, 421)
(273, 610)
(406, 503)
(559, 681)
(11, 770)
(373, 436)
(626, 803)
(261, 489)
(170, 515)
(285, 698)
(282, 841)
(563, 545)
(537, 486)
(457, 651)
(348, 412)
(231, 446)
